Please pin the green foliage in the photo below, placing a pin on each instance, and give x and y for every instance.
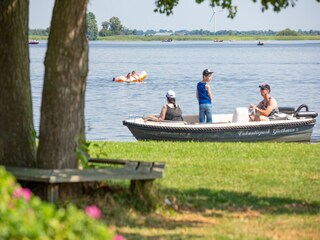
(39, 32)
(24, 218)
(82, 153)
(92, 28)
(166, 6)
(113, 27)
(288, 32)
(105, 31)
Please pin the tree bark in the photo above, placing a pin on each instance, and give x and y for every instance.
(66, 68)
(17, 136)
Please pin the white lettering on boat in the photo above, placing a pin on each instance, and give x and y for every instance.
(254, 133)
(284, 130)
(267, 132)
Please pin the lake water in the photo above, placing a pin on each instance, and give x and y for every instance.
(291, 68)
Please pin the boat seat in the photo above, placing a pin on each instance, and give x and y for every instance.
(240, 114)
(278, 116)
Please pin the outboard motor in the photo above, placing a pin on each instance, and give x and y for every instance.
(306, 113)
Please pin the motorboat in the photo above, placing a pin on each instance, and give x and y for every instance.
(260, 43)
(289, 125)
(33, 42)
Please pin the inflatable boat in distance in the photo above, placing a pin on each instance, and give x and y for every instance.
(140, 77)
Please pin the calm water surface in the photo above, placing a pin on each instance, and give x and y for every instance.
(292, 68)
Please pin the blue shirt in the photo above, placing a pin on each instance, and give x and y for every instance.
(203, 93)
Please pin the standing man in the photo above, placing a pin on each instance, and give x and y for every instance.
(204, 97)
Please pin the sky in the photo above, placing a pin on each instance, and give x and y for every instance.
(188, 15)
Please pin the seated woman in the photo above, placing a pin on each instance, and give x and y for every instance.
(267, 107)
(170, 111)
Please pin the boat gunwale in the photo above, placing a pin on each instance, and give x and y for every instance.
(183, 126)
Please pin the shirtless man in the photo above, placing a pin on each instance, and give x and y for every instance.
(267, 107)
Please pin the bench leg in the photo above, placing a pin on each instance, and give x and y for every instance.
(53, 193)
(142, 190)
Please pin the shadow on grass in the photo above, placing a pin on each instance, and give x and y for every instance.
(203, 199)
(196, 208)
(133, 236)
(205, 204)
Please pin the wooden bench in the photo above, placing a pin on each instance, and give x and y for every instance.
(136, 171)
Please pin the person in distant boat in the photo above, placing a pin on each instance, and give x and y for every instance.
(204, 97)
(170, 111)
(129, 76)
(135, 75)
(266, 108)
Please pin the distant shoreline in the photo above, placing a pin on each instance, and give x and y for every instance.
(198, 38)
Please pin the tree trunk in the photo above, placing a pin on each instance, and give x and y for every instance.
(17, 136)
(66, 68)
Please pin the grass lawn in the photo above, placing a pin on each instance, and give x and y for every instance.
(221, 191)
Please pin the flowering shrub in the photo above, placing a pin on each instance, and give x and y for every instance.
(119, 237)
(93, 211)
(22, 192)
(24, 216)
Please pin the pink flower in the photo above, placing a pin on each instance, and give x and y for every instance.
(23, 192)
(119, 237)
(93, 211)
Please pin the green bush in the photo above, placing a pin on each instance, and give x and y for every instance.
(23, 216)
(288, 32)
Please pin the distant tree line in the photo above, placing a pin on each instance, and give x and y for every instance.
(115, 27)
(39, 32)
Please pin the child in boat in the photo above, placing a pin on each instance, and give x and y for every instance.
(204, 97)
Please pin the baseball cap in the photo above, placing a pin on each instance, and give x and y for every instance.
(206, 72)
(171, 94)
(265, 86)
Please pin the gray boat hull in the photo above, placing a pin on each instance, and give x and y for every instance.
(282, 131)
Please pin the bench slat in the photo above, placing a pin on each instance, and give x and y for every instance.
(107, 161)
(145, 167)
(131, 171)
(31, 174)
(159, 167)
(131, 165)
(92, 175)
